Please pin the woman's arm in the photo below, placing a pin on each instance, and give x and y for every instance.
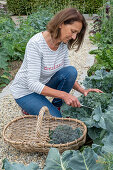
(78, 87)
(84, 91)
(68, 98)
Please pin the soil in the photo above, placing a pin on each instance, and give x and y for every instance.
(13, 68)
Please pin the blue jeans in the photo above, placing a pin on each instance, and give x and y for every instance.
(62, 80)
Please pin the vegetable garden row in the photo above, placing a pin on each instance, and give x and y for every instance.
(99, 118)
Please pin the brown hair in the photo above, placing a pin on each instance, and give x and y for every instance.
(67, 16)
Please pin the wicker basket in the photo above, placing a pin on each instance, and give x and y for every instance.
(31, 133)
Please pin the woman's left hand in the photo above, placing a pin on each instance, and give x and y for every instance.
(86, 91)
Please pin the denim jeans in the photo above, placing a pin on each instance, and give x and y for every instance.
(63, 80)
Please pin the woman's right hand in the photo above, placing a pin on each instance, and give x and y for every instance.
(71, 100)
(68, 98)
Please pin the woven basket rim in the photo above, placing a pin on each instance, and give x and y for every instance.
(43, 144)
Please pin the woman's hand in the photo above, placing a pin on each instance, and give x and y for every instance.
(71, 100)
(91, 90)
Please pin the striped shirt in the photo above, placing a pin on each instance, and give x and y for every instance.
(39, 65)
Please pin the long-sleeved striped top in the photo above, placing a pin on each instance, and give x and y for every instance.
(39, 65)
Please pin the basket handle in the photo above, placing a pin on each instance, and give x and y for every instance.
(43, 110)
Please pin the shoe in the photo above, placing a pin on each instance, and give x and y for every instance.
(24, 112)
(58, 108)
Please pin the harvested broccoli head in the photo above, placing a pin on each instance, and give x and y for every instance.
(64, 133)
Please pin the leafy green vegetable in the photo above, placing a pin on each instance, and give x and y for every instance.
(72, 160)
(96, 133)
(85, 161)
(95, 99)
(64, 133)
(13, 39)
(4, 79)
(104, 58)
(18, 166)
(91, 71)
(106, 161)
(38, 20)
(103, 24)
(56, 161)
(109, 120)
(108, 143)
(97, 121)
(102, 80)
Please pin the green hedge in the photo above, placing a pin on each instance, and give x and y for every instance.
(19, 7)
(85, 6)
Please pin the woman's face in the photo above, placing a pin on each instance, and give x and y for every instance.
(69, 31)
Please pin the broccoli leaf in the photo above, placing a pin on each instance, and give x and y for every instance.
(18, 166)
(109, 117)
(98, 117)
(56, 161)
(107, 161)
(72, 160)
(102, 80)
(84, 161)
(109, 121)
(108, 143)
(97, 149)
(96, 133)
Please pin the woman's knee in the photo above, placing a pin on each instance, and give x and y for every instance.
(72, 72)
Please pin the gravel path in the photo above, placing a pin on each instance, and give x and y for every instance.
(9, 109)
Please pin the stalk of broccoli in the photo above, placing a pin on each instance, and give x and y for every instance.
(63, 134)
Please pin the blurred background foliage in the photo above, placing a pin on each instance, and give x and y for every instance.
(20, 7)
(102, 37)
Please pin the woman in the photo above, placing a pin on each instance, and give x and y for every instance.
(46, 70)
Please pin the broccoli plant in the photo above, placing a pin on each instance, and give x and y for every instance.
(102, 80)
(64, 133)
(95, 99)
(19, 166)
(92, 100)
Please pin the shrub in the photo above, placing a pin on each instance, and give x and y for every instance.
(19, 7)
(104, 58)
(102, 25)
(103, 37)
(27, 7)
